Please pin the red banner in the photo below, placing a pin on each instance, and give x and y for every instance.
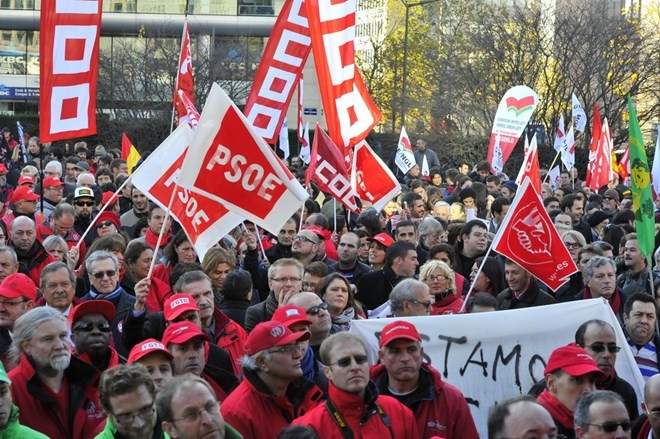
(596, 134)
(184, 79)
(349, 110)
(528, 237)
(69, 63)
(277, 76)
(371, 178)
(191, 111)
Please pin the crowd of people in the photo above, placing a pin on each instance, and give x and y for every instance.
(254, 339)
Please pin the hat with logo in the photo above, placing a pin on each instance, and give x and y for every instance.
(83, 166)
(177, 304)
(83, 192)
(272, 333)
(23, 179)
(147, 347)
(290, 315)
(104, 307)
(573, 360)
(398, 329)
(18, 285)
(181, 332)
(24, 193)
(383, 239)
(52, 181)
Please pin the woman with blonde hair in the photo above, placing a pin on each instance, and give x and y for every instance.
(442, 285)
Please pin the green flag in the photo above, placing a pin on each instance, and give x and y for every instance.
(641, 186)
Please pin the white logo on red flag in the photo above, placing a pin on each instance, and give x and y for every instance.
(204, 220)
(232, 164)
(184, 82)
(69, 58)
(528, 237)
(371, 178)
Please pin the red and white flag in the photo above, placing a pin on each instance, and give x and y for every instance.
(528, 237)
(349, 110)
(624, 164)
(284, 140)
(530, 167)
(191, 111)
(233, 165)
(371, 179)
(608, 150)
(305, 152)
(598, 170)
(300, 108)
(205, 221)
(498, 162)
(184, 77)
(283, 60)
(559, 137)
(405, 158)
(69, 63)
(568, 149)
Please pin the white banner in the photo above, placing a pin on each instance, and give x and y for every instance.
(405, 158)
(497, 355)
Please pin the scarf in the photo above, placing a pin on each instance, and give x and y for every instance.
(557, 410)
(112, 297)
(151, 238)
(342, 322)
(615, 302)
(307, 365)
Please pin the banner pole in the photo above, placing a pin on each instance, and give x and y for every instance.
(467, 296)
(162, 229)
(178, 66)
(551, 166)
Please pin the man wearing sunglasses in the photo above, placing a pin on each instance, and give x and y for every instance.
(90, 333)
(84, 203)
(602, 415)
(317, 312)
(439, 408)
(354, 406)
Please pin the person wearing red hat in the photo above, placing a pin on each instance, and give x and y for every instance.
(189, 348)
(324, 236)
(571, 373)
(23, 203)
(91, 332)
(354, 408)
(111, 201)
(153, 355)
(439, 408)
(320, 225)
(17, 296)
(61, 223)
(31, 254)
(25, 180)
(106, 222)
(306, 246)
(53, 192)
(6, 191)
(273, 391)
(378, 245)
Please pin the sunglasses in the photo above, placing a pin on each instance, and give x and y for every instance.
(104, 224)
(317, 309)
(598, 348)
(346, 361)
(611, 427)
(89, 327)
(84, 203)
(100, 274)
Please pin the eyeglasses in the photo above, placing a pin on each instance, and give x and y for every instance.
(425, 304)
(84, 203)
(309, 286)
(211, 408)
(317, 309)
(437, 278)
(89, 327)
(6, 303)
(128, 418)
(572, 245)
(287, 279)
(104, 224)
(289, 349)
(346, 361)
(99, 275)
(304, 239)
(611, 427)
(598, 348)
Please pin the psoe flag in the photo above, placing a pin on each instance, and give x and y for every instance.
(129, 153)
(233, 165)
(371, 178)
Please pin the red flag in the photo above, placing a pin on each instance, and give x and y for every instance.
(233, 165)
(301, 132)
(327, 169)
(624, 164)
(530, 167)
(528, 237)
(184, 80)
(191, 111)
(596, 132)
(371, 178)
(69, 64)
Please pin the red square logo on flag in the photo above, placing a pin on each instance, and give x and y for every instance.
(74, 49)
(69, 108)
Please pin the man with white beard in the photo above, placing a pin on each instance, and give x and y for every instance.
(56, 393)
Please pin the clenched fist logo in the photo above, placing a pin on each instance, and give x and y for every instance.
(531, 239)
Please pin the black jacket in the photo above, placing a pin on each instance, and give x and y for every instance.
(235, 309)
(375, 287)
(534, 296)
(261, 312)
(354, 274)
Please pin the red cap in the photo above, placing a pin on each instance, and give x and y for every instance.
(107, 215)
(23, 193)
(316, 230)
(18, 285)
(3, 168)
(25, 179)
(383, 239)
(177, 304)
(290, 315)
(398, 329)
(573, 360)
(149, 346)
(52, 181)
(103, 307)
(181, 332)
(268, 334)
(109, 199)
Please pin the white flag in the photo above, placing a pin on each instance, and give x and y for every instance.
(553, 175)
(498, 162)
(655, 171)
(579, 116)
(568, 150)
(305, 152)
(405, 158)
(284, 140)
(559, 137)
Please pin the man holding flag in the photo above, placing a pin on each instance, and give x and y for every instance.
(425, 157)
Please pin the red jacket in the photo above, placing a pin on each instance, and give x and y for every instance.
(162, 272)
(446, 414)
(72, 238)
(355, 410)
(158, 292)
(257, 414)
(449, 305)
(230, 336)
(36, 405)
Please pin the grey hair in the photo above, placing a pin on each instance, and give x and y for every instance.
(52, 268)
(441, 203)
(54, 241)
(581, 414)
(188, 278)
(100, 255)
(26, 324)
(11, 251)
(429, 226)
(249, 362)
(404, 291)
(595, 262)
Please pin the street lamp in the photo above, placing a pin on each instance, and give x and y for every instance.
(405, 55)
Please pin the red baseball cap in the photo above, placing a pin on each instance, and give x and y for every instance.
(573, 360)
(103, 307)
(52, 181)
(383, 239)
(316, 230)
(25, 179)
(23, 193)
(181, 332)
(177, 304)
(149, 346)
(3, 168)
(290, 315)
(398, 329)
(272, 333)
(109, 199)
(18, 285)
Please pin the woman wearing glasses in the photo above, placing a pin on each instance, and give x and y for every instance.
(337, 292)
(440, 280)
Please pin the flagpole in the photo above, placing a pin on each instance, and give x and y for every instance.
(261, 245)
(552, 166)
(178, 66)
(162, 229)
(467, 296)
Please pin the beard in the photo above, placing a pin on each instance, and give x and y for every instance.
(60, 363)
